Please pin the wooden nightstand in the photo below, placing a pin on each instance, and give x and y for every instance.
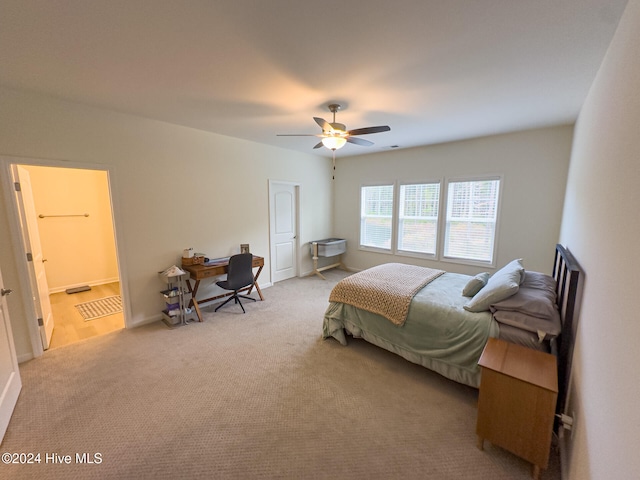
(517, 401)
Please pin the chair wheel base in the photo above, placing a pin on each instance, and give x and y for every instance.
(235, 297)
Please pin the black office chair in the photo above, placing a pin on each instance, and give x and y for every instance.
(239, 276)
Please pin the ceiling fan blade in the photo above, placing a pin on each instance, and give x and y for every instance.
(367, 130)
(359, 141)
(318, 145)
(324, 125)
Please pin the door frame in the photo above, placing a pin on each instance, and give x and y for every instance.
(18, 238)
(298, 193)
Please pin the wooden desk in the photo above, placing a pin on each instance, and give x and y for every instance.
(201, 272)
(517, 401)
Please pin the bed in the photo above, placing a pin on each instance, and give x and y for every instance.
(447, 318)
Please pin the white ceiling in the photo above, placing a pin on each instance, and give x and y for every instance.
(433, 70)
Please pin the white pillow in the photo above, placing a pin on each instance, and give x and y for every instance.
(511, 266)
(502, 284)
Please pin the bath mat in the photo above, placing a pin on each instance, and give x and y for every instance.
(100, 308)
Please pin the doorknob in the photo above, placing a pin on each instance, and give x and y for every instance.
(44, 260)
(4, 292)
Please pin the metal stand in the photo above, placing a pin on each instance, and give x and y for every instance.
(317, 270)
(176, 290)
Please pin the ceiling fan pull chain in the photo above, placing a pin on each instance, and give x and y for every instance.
(334, 166)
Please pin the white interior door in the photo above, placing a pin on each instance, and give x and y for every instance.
(284, 227)
(10, 383)
(35, 260)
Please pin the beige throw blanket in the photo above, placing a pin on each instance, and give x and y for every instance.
(385, 289)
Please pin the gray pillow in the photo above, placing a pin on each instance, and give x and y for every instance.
(551, 328)
(540, 281)
(474, 285)
(535, 302)
(502, 284)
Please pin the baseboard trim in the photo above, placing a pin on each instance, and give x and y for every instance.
(93, 283)
(25, 357)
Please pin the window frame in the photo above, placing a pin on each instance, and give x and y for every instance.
(445, 213)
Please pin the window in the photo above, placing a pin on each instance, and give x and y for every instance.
(376, 212)
(406, 220)
(472, 212)
(418, 218)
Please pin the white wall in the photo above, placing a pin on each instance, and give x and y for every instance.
(173, 187)
(601, 226)
(79, 250)
(534, 166)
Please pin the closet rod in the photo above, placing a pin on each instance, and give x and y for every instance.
(79, 215)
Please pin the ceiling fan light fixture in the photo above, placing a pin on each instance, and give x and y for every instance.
(334, 143)
(335, 135)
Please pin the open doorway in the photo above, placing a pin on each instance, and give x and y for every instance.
(67, 224)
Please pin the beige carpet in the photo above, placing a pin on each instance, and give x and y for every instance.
(259, 395)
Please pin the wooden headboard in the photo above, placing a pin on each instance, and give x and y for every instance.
(566, 273)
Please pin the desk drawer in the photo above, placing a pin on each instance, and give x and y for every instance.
(257, 262)
(214, 272)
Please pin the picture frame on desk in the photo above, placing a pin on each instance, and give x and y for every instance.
(244, 248)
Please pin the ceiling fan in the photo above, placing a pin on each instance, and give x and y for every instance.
(335, 135)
